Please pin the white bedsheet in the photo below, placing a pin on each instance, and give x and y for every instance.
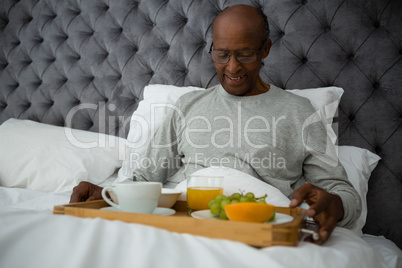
(31, 236)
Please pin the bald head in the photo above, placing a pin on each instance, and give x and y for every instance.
(240, 38)
(242, 18)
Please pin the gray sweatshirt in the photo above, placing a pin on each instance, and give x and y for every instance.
(272, 136)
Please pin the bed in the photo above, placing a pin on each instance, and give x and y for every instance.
(78, 78)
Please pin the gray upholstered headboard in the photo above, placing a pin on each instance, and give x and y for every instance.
(57, 54)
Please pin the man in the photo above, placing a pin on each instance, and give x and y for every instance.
(249, 125)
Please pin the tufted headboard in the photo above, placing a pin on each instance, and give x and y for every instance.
(95, 57)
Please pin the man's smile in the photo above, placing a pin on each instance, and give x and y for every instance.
(235, 78)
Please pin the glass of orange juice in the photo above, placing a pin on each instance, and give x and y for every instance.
(201, 190)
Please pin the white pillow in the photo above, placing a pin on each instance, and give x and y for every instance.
(326, 101)
(48, 158)
(358, 164)
(158, 99)
(146, 119)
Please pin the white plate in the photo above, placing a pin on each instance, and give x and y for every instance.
(206, 214)
(157, 211)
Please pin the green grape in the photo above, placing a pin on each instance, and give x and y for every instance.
(250, 195)
(215, 208)
(236, 196)
(234, 201)
(225, 202)
(222, 215)
(210, 203)
(220, 197)
(244, 199)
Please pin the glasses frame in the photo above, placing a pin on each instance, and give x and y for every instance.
(211, 49)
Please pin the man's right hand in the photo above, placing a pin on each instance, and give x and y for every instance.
(86, 191)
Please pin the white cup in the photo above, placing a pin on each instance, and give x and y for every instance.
(136, 197)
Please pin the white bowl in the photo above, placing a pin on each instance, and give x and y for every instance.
(168, 197)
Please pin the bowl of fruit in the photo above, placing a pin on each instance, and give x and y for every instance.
(245, 208)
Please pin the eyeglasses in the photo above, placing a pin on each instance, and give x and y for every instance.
(242, 55)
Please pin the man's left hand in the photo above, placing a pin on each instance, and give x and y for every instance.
(325, 208)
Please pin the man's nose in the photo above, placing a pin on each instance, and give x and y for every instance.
(233, 64)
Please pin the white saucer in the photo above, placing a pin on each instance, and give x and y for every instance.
(206, 214)
(157, 211)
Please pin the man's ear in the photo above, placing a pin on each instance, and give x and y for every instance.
(267, 47)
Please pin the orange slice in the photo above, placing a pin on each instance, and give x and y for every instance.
(249, 212)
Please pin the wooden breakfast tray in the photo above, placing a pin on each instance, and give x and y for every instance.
(254, 234)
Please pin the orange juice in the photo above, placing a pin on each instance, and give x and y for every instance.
(199, 197)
